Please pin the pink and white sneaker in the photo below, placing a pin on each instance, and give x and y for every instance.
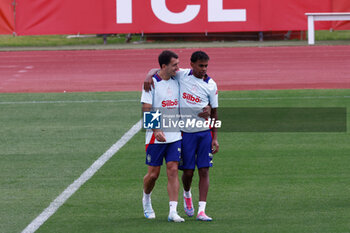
(188, 206)
(203, 217)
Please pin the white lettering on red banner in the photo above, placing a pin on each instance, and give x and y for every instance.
(162, 12)
(216, 13)
(124, 11)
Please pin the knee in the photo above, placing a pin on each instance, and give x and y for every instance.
(203, 173)
(188, 174)
(172, 171)
(153, 176)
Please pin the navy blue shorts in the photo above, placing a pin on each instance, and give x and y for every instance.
(156, 152)
(196, 150)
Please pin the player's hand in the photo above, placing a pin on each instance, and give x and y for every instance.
(206, 112)
(159, 135)
(214, 146)
(148, 83)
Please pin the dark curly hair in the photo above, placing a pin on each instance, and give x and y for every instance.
(199, 55)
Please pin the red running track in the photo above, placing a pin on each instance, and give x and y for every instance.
(316, 67)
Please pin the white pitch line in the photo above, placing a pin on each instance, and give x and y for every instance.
(71, 189)
(135, 100)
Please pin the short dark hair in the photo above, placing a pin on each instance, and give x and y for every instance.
(165, 57)
(199, 55)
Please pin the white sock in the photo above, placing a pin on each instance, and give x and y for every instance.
(188, 194)
(201, 206)
(146, 197)
(172, 206)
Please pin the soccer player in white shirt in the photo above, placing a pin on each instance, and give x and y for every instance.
(163, 145)
(197, 90)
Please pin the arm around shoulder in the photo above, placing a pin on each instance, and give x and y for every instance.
(148, 83)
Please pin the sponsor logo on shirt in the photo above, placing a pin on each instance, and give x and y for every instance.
(190, 98)
(169, 103)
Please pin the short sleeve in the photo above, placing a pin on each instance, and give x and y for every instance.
(147, 97)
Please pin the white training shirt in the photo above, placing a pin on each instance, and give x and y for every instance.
(195, 94)
(165, 97)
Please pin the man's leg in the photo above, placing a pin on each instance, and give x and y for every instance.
(203, 183)
(203, 192)
(189, 145)
(154, 159)
(204, 161)
(173, 157)
(149, 180)
(173, 180)
(187, 176)
(148, 184)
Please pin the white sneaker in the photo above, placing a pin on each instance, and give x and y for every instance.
(174, 217)
(148, 210)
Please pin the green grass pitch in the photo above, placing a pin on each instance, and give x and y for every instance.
(261, 182)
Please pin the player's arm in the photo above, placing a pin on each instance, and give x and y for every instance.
(159, 134)
(148, 83)
(215, 143)
(214, 103)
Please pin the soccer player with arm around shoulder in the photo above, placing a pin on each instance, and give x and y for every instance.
(160, 144)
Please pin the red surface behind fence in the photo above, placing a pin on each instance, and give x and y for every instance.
(161, 16)
(7, 20)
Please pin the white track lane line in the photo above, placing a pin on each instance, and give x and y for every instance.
(71, 189)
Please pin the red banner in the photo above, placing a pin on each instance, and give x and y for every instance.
(341, 6)
(7, 20)
(166, 16)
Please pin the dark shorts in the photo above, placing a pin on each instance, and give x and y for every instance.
(155, 153)
(196, 150)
